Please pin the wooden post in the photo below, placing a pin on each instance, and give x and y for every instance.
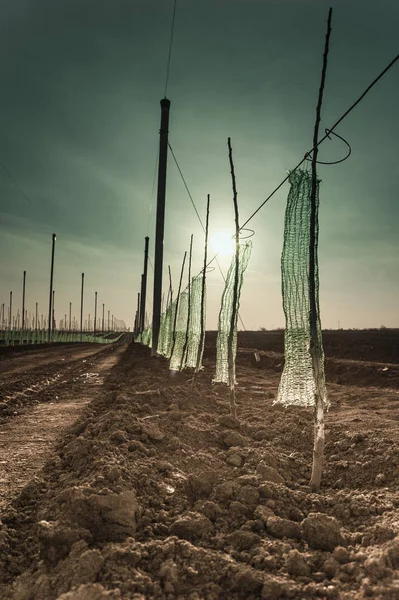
(81, 308)
(315, 346)
(50, 306)
(160, 223)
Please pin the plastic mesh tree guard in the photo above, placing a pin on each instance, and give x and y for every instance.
(176, 360)
(297, 385)
(225, 315)
(194, 333)
(165, 338)
(146, 337)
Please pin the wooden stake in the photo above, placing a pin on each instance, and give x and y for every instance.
(177, 304)
(315, 346)
(233, 323)
(183, 359)
(202, 331)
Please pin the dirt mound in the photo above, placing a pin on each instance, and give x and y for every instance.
(158, 493)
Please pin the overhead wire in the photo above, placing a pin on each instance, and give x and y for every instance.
(200, 220)
(15, 182)
(170, 47)
(328, 131)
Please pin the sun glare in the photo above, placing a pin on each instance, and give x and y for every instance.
(222, 243)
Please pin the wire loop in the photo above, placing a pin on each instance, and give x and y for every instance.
(328, 132)
(250, 234)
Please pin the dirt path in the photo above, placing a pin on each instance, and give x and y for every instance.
(40, 357)
(43, 374)
(27, 440)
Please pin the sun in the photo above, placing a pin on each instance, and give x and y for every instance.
(222, 243)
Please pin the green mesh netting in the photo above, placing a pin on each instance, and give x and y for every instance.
(176, 360)
(297, 385)
(165, 338)
(146, 337)
(226, 311)
(194, 332)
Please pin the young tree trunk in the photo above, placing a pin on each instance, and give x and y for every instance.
(318, 445)
(233, 323)
(315, 342)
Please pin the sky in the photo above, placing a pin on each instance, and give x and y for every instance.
(80, 98)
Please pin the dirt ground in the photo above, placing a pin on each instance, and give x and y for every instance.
(156, 492)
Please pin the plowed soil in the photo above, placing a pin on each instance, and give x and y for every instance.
(156, 492)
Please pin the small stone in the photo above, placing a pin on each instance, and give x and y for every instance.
(224, 491)
(380, 479)
(229, 422)
(192, 526)
(296, 514)
(249, 580)
(269, 473)
(281, 528)
(272, 589)
(392, 553)
(235, 460)
(296, 564)
(238, 509)
(330, 567)
(322, 532)
(212, 510)
(233, 438)
(119, 437)
(263, 513)
(341, 555)
(243, 540)
(248, 495)
(91, 591)
(375, 567)
(201, 484)
(261, 435)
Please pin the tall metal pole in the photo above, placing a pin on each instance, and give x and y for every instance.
(95, 313)
(81, 308)
(140, 302)
(50, 312)
(139, 328)
(36, 315)
(143, 293)
(160, 223)
(70, 314)
(10, 321)
(23, 301)
(108, 320)
(53, 314)
(102, 329)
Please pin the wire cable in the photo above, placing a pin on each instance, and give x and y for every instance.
(25, 195)
(200, 220)
(330, 130)
(170, 47)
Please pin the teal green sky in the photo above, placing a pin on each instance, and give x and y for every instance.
(79, 121)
